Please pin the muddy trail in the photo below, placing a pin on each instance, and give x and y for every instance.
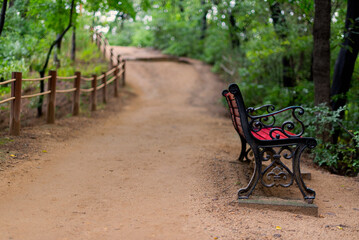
(160, 166)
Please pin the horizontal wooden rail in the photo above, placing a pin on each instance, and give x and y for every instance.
(100, 86)
(111, 80)
(100, 77)
(36, 79)
(65, 78)
(86, 79)
(66, 90)
(36, 94)
(7, 81)
(111, 71)
(87, 89)
(7, 100)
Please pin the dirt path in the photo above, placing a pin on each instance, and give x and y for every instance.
(159, 169)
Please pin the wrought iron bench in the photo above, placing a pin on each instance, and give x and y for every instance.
(269, 141)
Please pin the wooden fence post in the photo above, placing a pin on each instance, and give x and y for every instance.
(94, 93)
(98, 41)
(51, 100)
(104, 90)
(92, 33)
(111, 57)
(76, 103)
(15, 110)
(116, 82)
(118, 59)
(124, 73)
(104, 48)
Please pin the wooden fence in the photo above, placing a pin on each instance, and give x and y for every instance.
(114, 75)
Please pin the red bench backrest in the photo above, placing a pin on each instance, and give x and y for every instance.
(233, 108)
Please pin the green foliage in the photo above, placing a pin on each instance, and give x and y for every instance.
(5, 140)
(132, 34)
(88, 57)
(277, 95)
(215, 44)
(143, 38)
(341, 157)
(25, 40)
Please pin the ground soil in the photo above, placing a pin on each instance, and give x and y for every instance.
(157, 163)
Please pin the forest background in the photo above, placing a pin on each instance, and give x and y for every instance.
(289, 52)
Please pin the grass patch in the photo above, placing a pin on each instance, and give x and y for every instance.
(5, 140)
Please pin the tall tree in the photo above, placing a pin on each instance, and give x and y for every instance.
(73, 44)
(230, 12)
(281, 28)
(180, 5)
(344, 65)
(321, 51)
(233, 30)
(54, 43)
(203, 19)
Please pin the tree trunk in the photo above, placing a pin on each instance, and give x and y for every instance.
(180, 4)
(41, 98)
(25, 9)
(58, 51)
(311, 68)
(2, 17)
(204, 20)
(321, 51)
(43, 70)
(233, 30)
(123, 17)
(281, 28)
(279, 22)
(288, 74)
(73, 46)
(345, 63)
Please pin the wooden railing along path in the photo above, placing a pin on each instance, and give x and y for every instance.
(116, 73)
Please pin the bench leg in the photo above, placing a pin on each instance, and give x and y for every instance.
(308, 194)
(243, 150)
(244, 193)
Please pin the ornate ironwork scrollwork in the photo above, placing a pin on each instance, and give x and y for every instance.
(249, 155)
(277, 173)
(257, 123)
(269, 108)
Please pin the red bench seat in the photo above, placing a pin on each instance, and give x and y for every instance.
(263, 134)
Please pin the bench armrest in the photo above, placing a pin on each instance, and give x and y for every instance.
(269, 108)
(268, 120)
